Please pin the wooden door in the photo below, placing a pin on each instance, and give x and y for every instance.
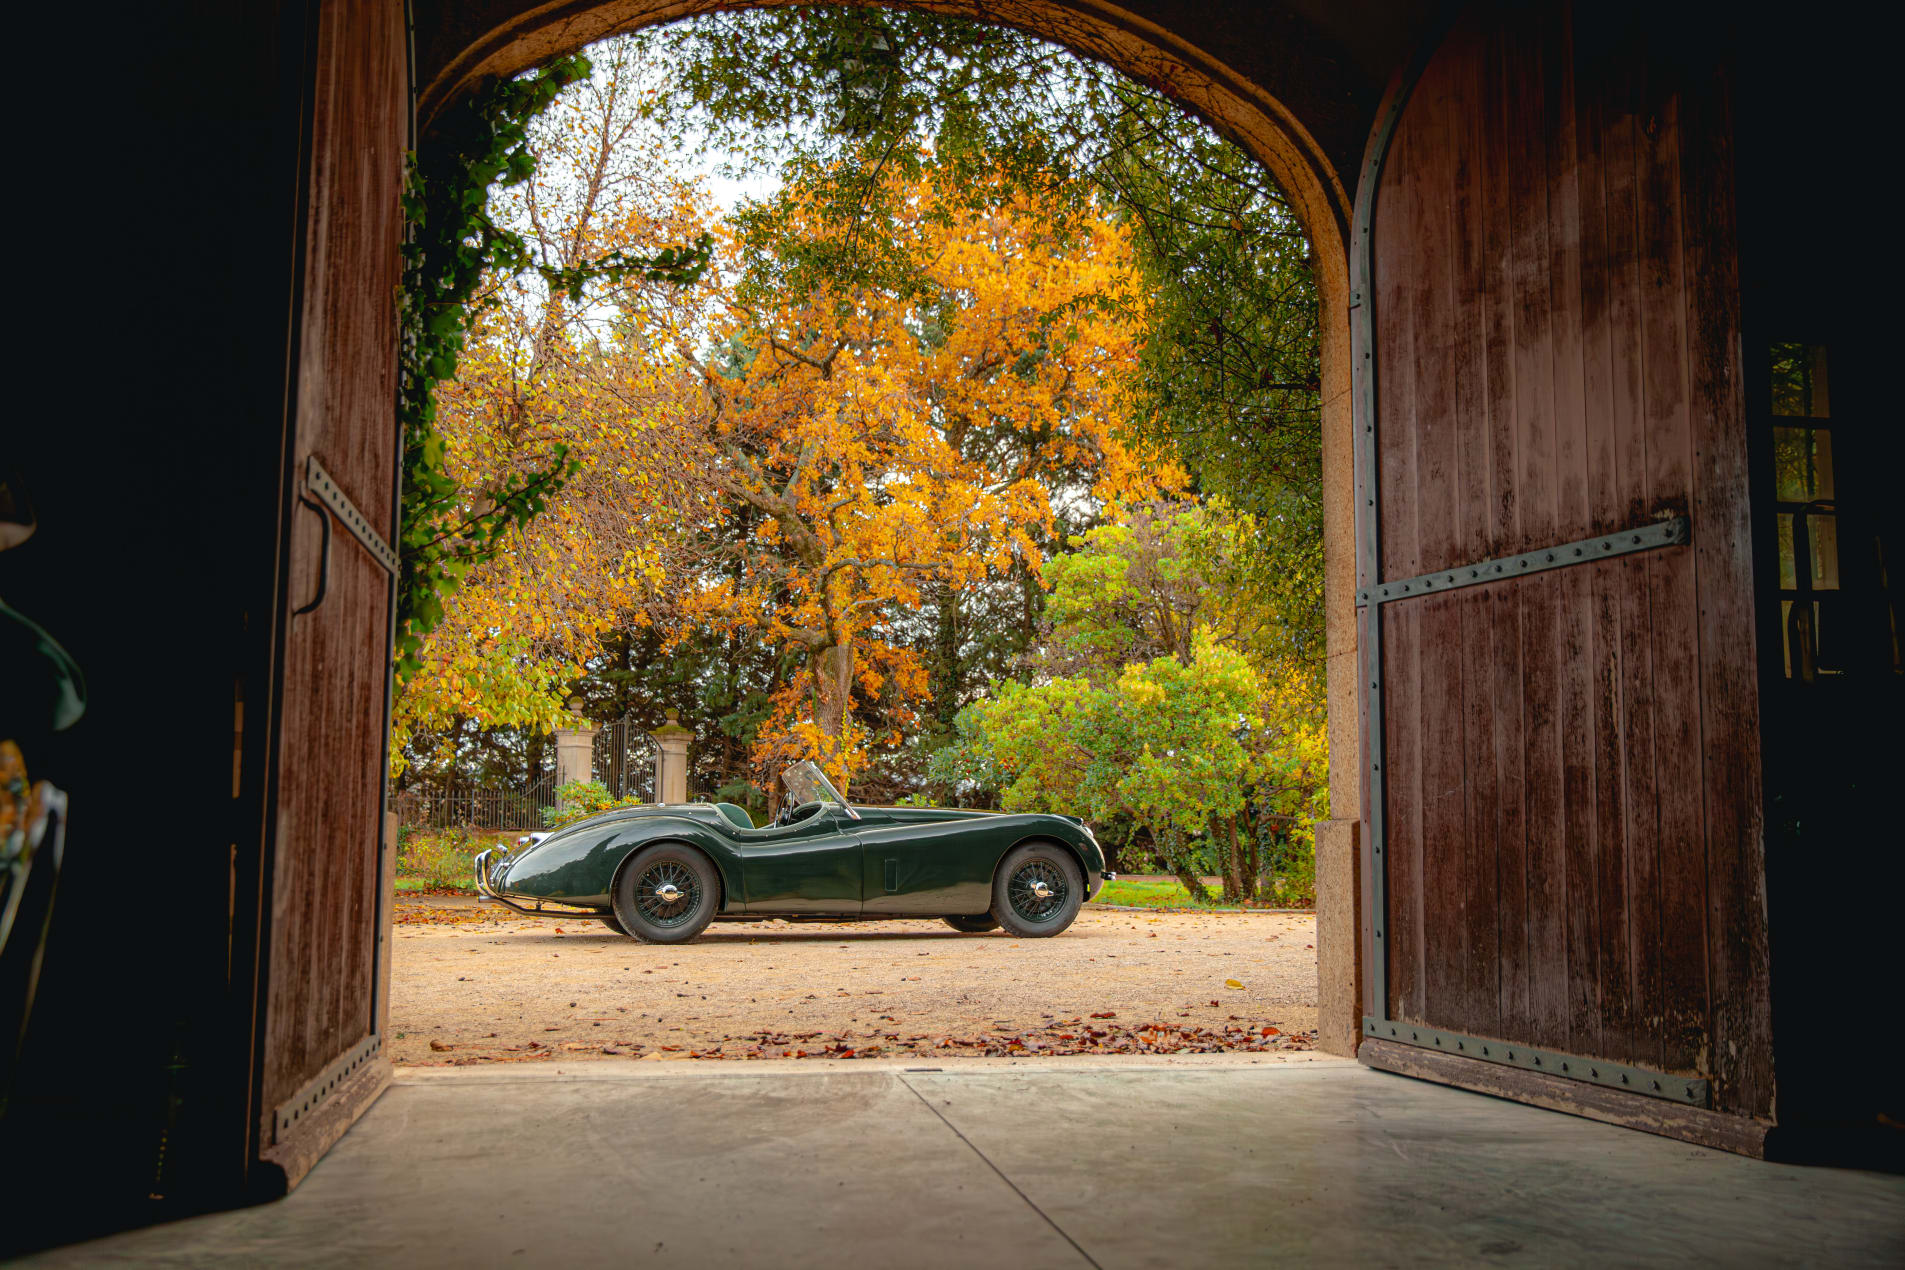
(1563, 813)
(318, 1027)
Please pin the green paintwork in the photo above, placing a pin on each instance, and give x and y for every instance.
(890, 862)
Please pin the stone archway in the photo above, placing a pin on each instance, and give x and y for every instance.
(1306, 133)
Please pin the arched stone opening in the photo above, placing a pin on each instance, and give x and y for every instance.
(503, 38)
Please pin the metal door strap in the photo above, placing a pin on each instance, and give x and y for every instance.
(319, 482)
(1688, 1091)
(324, 1084)
(1665, 533)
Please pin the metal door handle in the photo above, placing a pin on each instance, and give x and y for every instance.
(324, 557)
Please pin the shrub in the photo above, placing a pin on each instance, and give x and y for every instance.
(439, 859)
(578, 800)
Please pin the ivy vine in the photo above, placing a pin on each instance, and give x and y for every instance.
(451, 250)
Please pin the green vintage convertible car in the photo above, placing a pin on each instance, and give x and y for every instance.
(662, 873)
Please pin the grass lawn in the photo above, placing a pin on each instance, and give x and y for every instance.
(1160, 893)
(429, 886)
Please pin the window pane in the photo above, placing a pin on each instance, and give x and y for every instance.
(1800, 387)
(1788, 570)
(1786, 634)
(1824, 532)
(1802, 464)
(1786, 640)
(1792, 465)
(1825, 631)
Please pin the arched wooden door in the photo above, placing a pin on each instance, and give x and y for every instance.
(1562, 821)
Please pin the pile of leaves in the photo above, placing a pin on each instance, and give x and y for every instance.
(416, 914)
(1098, 1034)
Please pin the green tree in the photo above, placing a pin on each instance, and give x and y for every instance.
(1162, 745)
(1148, 616)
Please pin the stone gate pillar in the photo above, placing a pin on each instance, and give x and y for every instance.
(575, 750)
(1339, 936)
(671, 760)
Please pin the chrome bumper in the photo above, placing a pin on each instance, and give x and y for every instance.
(482, 867)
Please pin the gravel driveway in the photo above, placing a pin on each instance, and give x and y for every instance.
(469, 987)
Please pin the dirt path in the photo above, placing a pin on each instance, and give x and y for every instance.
(468, 987)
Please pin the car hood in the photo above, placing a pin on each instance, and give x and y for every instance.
(934, 815)
(620, 815)
(918, 815)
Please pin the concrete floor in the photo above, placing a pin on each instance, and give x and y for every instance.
(1066, 1163)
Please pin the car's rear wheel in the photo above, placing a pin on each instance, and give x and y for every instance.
(1037, 890)
(614, 923)
(978, 924)
(666, 894)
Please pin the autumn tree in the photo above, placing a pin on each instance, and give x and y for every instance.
(1226, 372)
(897, 434)
(563, 368)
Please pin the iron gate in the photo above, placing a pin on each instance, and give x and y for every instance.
(623, 759)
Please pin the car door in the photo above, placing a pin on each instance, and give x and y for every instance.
(929, 867)
(811, 867)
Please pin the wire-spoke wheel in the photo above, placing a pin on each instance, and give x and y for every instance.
(666, 894)
(1037, 890)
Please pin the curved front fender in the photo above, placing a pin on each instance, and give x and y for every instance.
(579, 867)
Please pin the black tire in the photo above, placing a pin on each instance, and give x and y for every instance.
(641, 890)
(1037, 890)
(614, 923)
(978, 924)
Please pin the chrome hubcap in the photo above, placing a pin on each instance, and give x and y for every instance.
(667, 893)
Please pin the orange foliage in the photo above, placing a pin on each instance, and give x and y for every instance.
(887, 437)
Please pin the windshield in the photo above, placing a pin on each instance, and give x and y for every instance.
(808, 784)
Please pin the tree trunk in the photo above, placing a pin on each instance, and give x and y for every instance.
(1252, 860)
(945, 678)
(1234, 882)
(1192, 883)
(1182, 866)
(833, 692)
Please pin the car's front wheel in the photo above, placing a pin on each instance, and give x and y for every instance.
(667, 894)
(614, 923)
(978, 924)
(1037, 890)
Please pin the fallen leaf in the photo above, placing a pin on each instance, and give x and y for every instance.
(1233, 983)
(439, 1046)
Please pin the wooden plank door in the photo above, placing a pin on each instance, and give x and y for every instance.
(318, 1027)
(1562, 816)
